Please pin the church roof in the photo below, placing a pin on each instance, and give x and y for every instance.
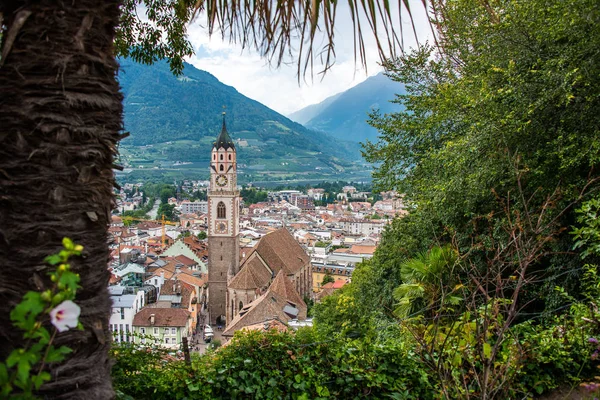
(253, 274)
(280, 250)
(283, 286)
(269, 305)
(224, 140)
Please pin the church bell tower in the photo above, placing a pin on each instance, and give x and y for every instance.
(223, 224)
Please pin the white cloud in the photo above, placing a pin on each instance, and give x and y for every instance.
(278, 88)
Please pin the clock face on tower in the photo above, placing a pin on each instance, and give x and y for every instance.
(221, 180)
(221, 227)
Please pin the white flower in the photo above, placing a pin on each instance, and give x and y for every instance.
(65, 315)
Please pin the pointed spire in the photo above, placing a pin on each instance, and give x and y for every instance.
(224, 140)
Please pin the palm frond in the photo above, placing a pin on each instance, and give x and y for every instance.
(403, 308)
(409, 291)
(414, 269)
(277, 29)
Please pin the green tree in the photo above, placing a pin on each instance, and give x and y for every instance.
(327, 278)
(169, 212)
(202, 235)
(166, 193)
(502, 115)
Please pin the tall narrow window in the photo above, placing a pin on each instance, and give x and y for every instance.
(230, 157)
(221, 167)
(221, 210)
(221, 157)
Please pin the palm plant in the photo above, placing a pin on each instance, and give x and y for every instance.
(61, 120)
(428, 283)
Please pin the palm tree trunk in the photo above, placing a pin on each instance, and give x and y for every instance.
(60, 117)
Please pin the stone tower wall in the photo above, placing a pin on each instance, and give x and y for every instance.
(224, 251)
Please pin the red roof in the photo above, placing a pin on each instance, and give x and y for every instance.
(162, 317)
(339, 283)
(185, 260)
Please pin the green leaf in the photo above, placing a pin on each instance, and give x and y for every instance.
(487, 350)
(39, 380)
(14, 357)
(23, 368)
(25, 312)
(3, 374)
(68, 243)
(53, 259)
(65, 350)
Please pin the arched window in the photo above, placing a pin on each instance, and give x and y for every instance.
(214, 156)
(221, 210)
(241, 306)
(221, 167)
(230, 157)
(221, 157)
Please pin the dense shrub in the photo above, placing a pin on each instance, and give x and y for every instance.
(275, 366)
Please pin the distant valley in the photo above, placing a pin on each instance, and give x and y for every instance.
(345, 114)
(174, 120)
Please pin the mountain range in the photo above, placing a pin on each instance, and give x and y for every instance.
(344, 115)
(173, 121)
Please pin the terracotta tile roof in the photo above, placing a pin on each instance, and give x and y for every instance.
(362, 249)
(187, 276)
(169, 268)
(194, 243)
(272, 304)
(268, 305)
(280, 250)
(283, 286)
(113, 280)
(185, 260)
(177, 287)
(339, 283)
(267, 325)
(254, 274)
(148, 225)
(324, 292)
(246, 252)
(174, 317)
(342, 250)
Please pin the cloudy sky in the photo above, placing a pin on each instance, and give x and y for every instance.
(278, 88)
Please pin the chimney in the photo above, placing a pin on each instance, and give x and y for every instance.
(151, 319)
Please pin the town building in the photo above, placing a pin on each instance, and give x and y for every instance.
(223, 225)
(125, 304)
(193, 207)
(165, 327)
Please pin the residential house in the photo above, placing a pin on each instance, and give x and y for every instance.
(165, 327)
(124, 308)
